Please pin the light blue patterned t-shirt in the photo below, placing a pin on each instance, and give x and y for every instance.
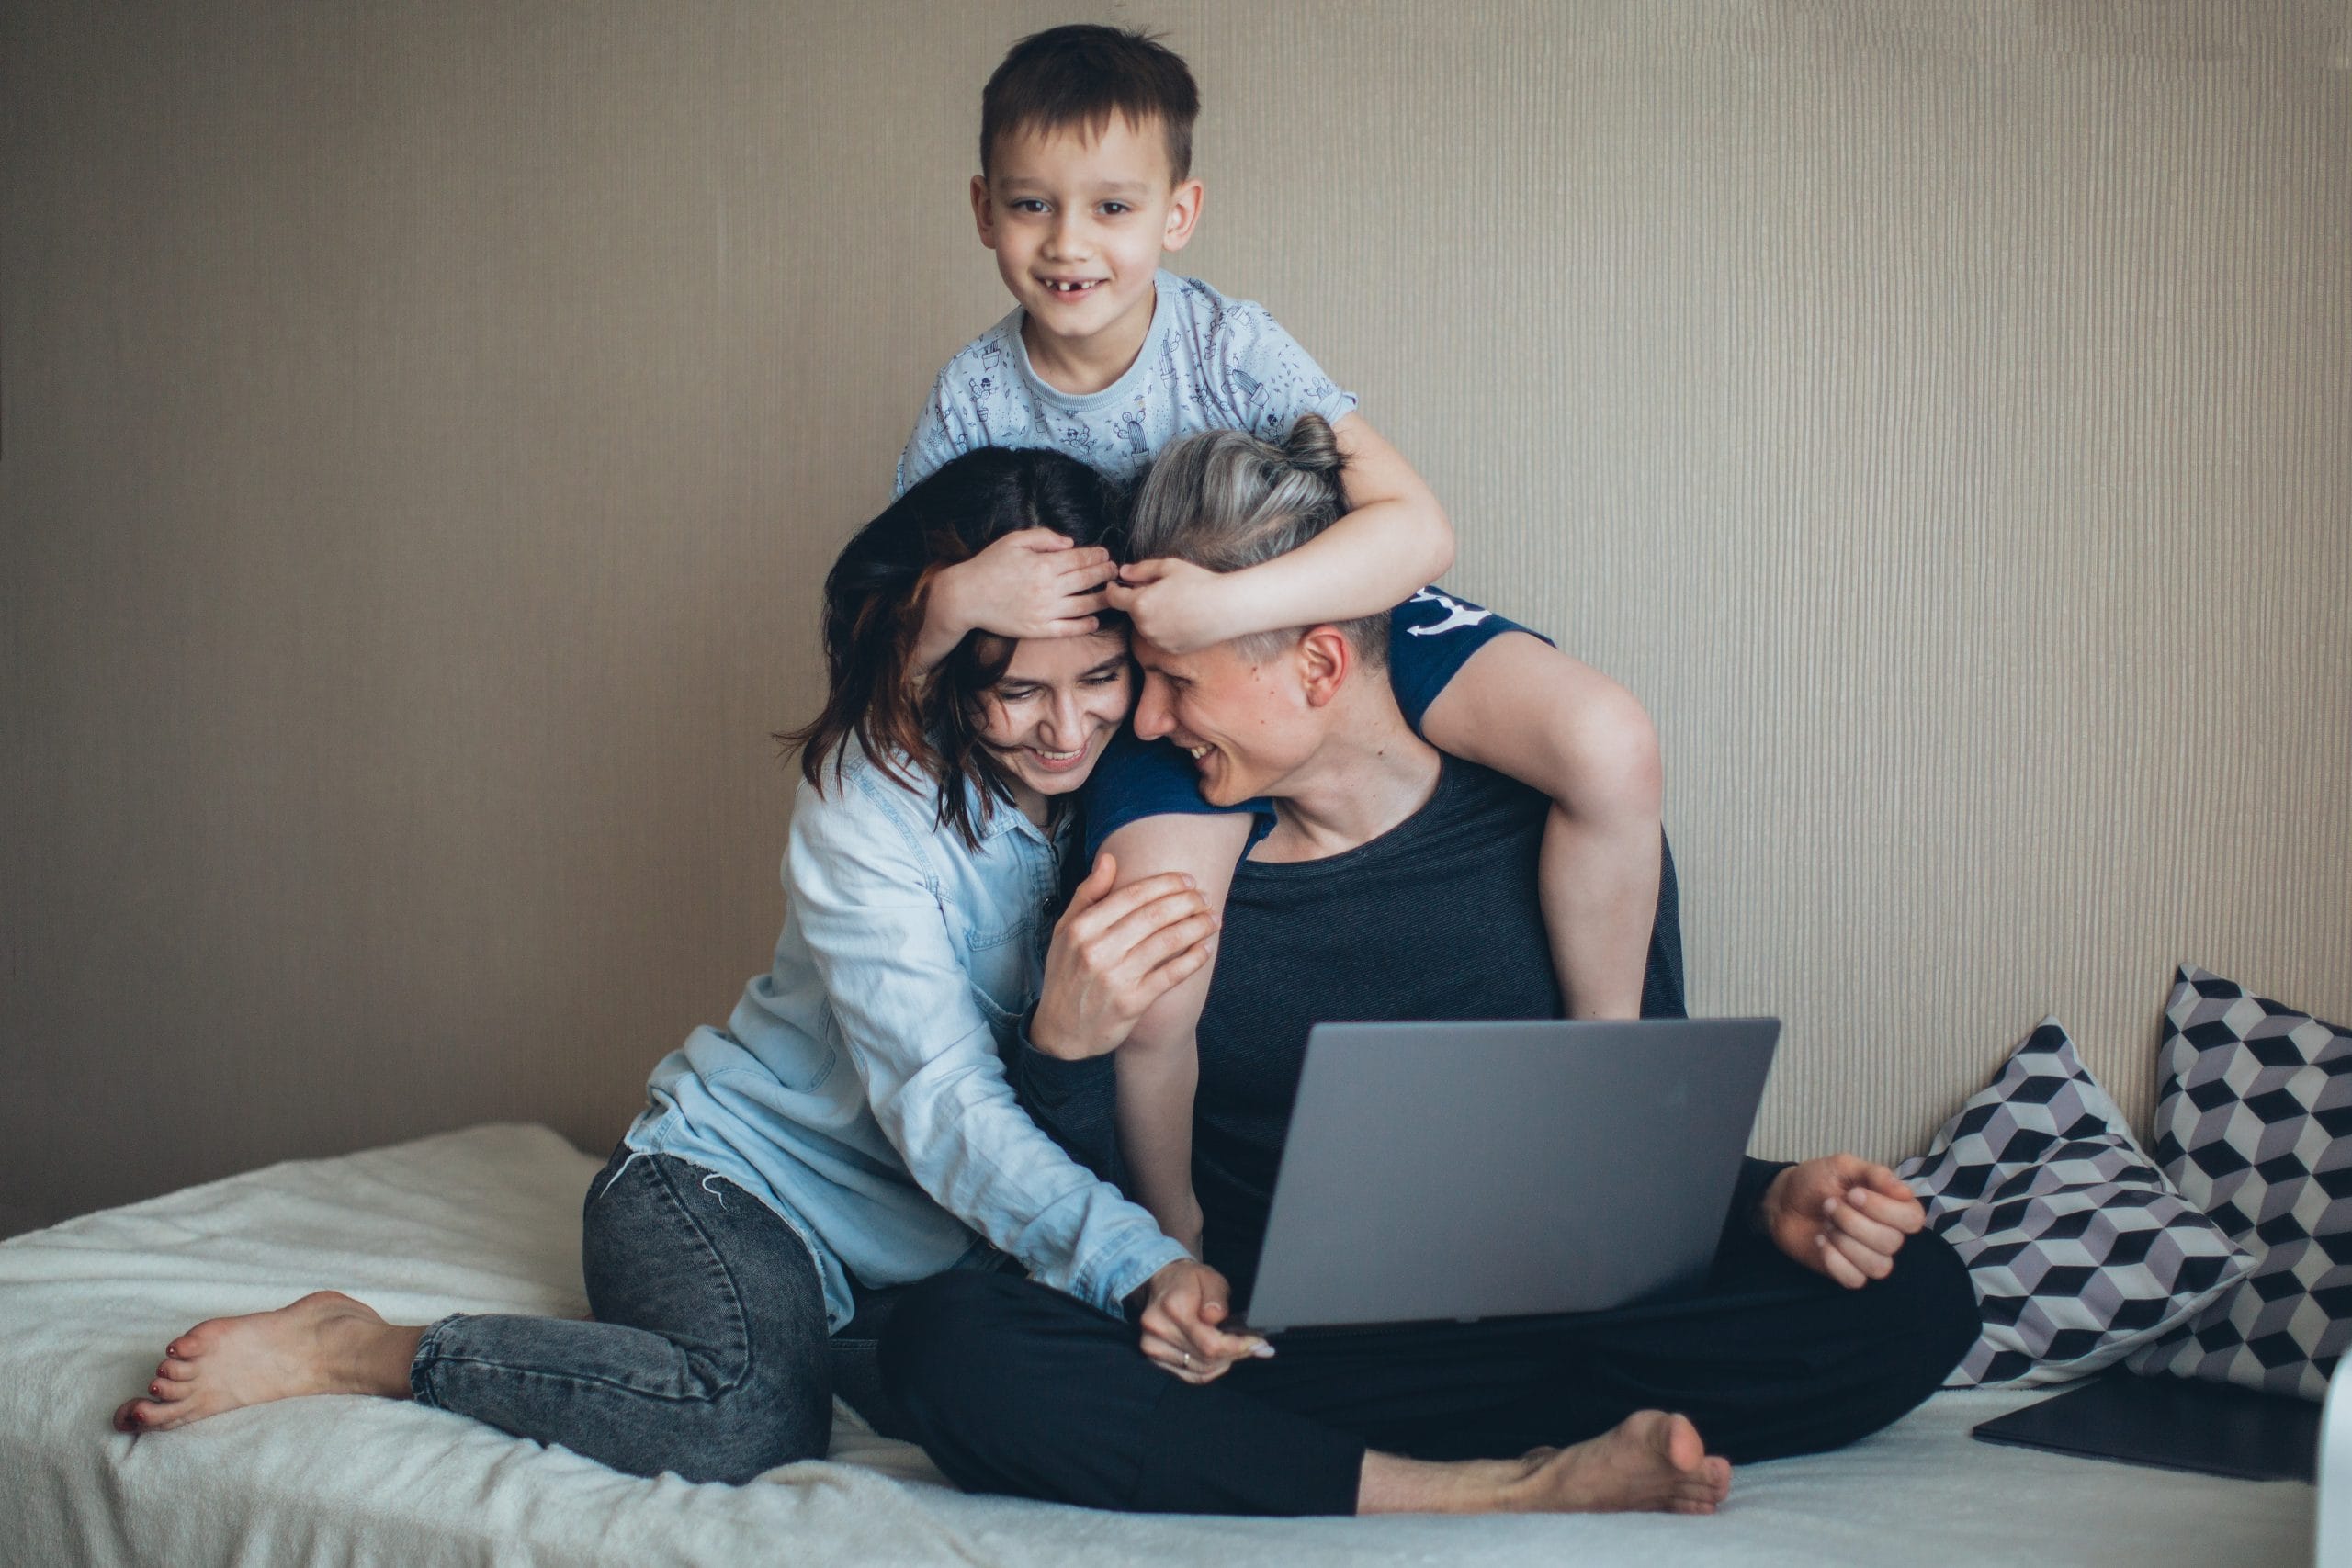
(1208, 363)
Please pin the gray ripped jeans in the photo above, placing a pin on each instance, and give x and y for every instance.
(707, 1355)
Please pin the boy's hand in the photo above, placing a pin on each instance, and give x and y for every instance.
(1030, 583)
(1841, 1216)
(1177, 605)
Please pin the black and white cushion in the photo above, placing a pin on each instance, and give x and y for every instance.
(2079, 1249)
(2253, 1103)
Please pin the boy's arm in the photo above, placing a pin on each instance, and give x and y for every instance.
(1394, 539)
(1522, 707)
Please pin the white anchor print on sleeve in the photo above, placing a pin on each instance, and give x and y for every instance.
(1457, 613)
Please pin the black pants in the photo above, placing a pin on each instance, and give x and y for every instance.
(1014, 1388)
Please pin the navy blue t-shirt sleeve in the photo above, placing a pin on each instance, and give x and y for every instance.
(1430, 636)
(1137, 779)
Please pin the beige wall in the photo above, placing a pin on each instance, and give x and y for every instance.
(422, 428)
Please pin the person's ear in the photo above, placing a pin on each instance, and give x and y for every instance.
(1326, 659)
(983, 211)
(1183, 211)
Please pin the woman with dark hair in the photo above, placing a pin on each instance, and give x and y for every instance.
(851, 1129)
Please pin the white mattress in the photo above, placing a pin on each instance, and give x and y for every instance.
(488, 1219)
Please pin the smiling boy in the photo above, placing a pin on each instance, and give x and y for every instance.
(1079, 222)
(1085, 183)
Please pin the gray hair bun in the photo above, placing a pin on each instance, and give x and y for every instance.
(1311, 447)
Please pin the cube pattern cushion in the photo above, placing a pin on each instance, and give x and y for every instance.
(2253, 1103)
(2079, 1249)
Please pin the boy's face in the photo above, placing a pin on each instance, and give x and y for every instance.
(1078, 225)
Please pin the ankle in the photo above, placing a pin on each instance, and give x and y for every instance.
(1389, 1485)
(390, 1355)
(371, 1357)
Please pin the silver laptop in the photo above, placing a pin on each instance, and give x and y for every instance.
(1504, 1169)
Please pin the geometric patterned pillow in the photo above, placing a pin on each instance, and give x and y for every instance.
(2253, 1103)
(2079, 1250)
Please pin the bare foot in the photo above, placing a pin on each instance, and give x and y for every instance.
(325, 1343)
(1650, 1462)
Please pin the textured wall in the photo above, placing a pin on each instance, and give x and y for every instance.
(422, 428)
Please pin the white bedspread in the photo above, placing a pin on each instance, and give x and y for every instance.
(488, 1219)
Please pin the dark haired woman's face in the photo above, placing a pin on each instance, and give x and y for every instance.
(1056, 705)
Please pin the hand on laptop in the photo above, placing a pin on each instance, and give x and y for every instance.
(1842, 1216)
(1184, 1305)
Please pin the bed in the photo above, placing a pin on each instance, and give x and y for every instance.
(487, 1219)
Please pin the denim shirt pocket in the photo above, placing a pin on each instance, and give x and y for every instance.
(1000, 964)
(819, 1064)
(788, 1028)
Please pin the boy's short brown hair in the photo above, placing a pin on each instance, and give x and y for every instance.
(1082, 76)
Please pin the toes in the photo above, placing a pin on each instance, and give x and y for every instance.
(145, 1415)
(204, 1338)
(1682, 1446)
(172, 1367)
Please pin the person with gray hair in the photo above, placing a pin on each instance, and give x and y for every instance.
(1387, 881)
(1224, 501)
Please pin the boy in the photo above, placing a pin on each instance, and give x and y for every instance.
(1085, 184)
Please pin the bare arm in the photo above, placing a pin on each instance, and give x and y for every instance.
(1393, 540)
(1158, 1066)
(1555, 723)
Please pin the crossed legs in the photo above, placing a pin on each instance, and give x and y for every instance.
(1015, 1389)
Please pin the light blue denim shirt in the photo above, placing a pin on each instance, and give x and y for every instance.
(858, 1092)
